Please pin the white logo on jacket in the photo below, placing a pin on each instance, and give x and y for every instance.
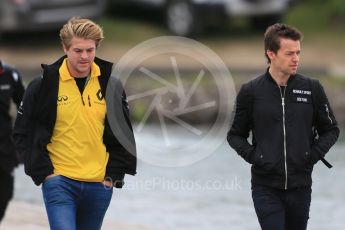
(5, 87)
(302, 99)
(300, 91)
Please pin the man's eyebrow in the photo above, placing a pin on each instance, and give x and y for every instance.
(91, 48)
(292, 51)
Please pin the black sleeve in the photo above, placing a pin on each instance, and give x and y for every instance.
(116, 166)
(326, 126)
(18, 88)
(121, 160)
(242, 124)
(23, 119)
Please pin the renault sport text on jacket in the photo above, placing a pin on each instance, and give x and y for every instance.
(283, 149)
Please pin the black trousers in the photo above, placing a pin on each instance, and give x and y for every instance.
(6, 190)
(282, 209)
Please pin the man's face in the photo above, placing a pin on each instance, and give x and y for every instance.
(81, 55)
(287, 57)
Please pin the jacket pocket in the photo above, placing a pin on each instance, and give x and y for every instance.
(302, 162)
(307, 158)
(267, 162)
(258, 159)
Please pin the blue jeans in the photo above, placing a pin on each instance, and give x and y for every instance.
(75, 205)
(282, 209)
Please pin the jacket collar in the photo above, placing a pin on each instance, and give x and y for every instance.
(270, 78)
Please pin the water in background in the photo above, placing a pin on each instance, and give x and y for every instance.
(211, 194)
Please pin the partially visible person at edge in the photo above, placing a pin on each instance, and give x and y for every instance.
(282, 109)
(11, 89)
(62, 130)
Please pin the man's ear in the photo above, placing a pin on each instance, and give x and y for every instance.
(64, 49)
(270, 54)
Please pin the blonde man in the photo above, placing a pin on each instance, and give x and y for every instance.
(62, 129)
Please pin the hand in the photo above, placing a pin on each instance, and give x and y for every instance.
(108, 183)
(314, 158)
(20, 158)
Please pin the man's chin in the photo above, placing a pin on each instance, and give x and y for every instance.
(294, 71)
(84, 69)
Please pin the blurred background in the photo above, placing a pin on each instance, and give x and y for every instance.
(213, 193)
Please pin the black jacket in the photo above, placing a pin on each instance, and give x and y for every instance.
(283, 149)
(11, 88)
(36, 120)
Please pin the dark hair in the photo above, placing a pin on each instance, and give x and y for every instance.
(275, 32)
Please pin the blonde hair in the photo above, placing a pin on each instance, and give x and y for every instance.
(81, 28)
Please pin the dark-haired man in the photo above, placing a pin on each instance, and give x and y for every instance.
(282, 109)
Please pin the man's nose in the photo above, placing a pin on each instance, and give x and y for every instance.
(84, 54)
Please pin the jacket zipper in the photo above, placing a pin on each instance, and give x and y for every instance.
(327, 110)
(282, 94)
